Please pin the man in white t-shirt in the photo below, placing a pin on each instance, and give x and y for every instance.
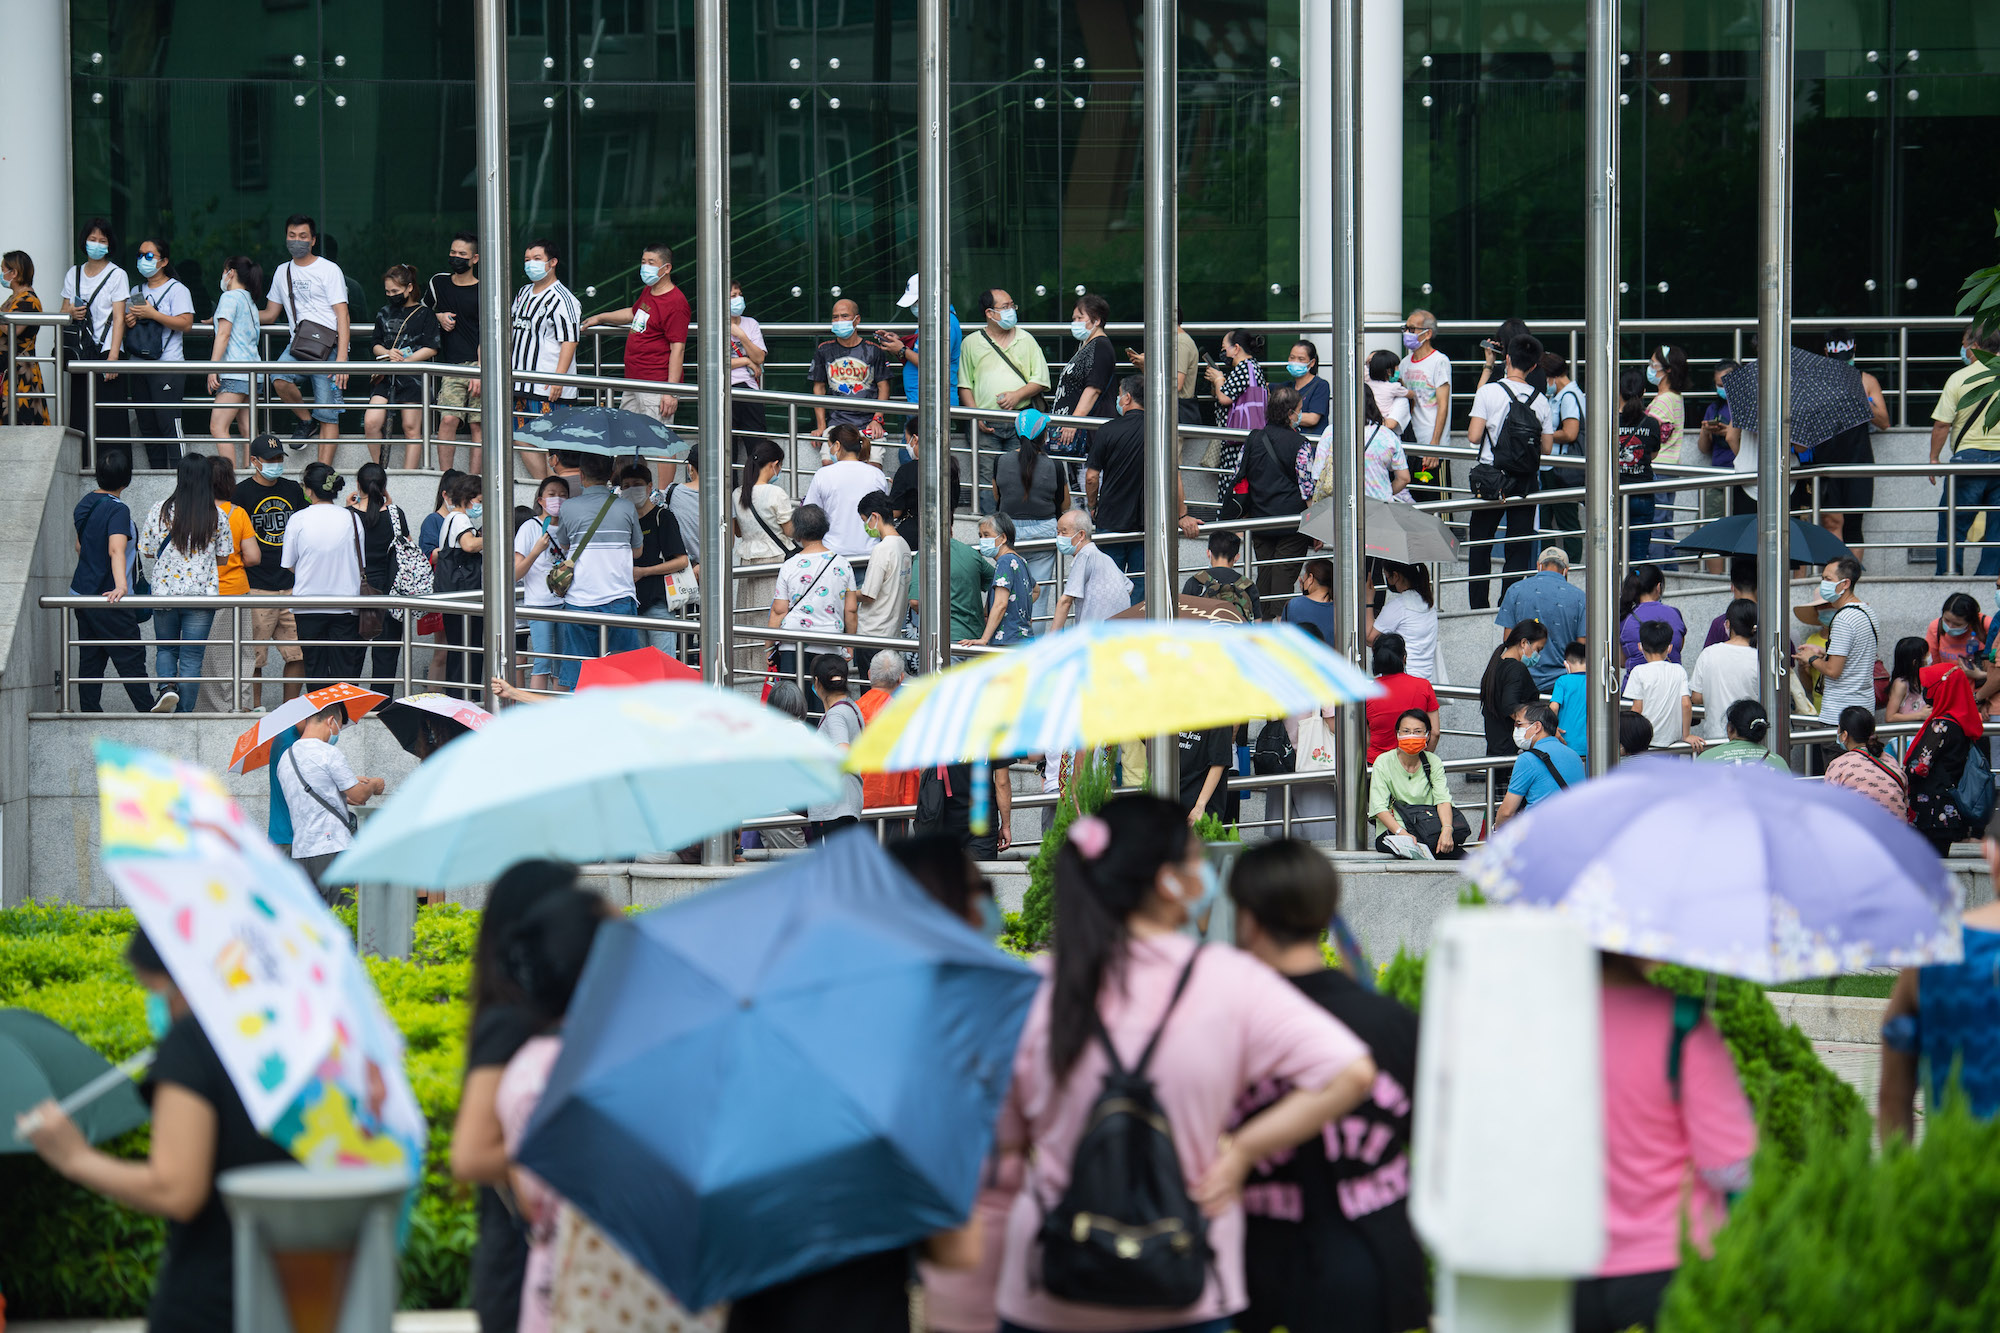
(319, 786)
(320, 549)
(310, 288)
(838, 487)
(604, 580)
(1492, 407)
(883, 587)
(1426, 373)
(1726, 672)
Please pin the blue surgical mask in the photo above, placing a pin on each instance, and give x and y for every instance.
(224, 283)
(736, 305)
(989, 547)
(535, 269)
(334, 739)
(1073, 545)
(1722, 393)
(475, 512)
(1412, 341)
(1009, 318)
(96, 249)
(649, 273)
(1211, 889)
(147, 267)
(159, 1018)
(1298, 370)
(271, 471)
(1828, 590)
(992, 921)
(843, 328)
(1079, 330)
(1652, 374)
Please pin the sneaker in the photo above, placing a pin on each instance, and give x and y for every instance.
(304, 433)
(169, 700)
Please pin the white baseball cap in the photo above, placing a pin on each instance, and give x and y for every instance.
(909, 297)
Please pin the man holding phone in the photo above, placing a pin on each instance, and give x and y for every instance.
(1426, 373)
(851, 367)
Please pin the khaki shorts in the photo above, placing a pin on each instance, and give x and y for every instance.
(646, 405)
(276, 623)
(454, 398)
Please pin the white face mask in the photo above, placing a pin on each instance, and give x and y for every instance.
(1520, 738)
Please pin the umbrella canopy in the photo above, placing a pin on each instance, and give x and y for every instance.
(1794, 879)
(637, 667)
(604, 775)
(253, 747)
(40, 1060)
(1825, 395)
(271, 975)
(1391, 530)
(423, 723)
(1102, 683)
(771, 1078)
(1191, 608)
(583, 429)
(1737, 535)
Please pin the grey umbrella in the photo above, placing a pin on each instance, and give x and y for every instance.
(1391, 531)
(1826, 398)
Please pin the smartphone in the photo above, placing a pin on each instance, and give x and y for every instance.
(1491, 345)
(1131, 355)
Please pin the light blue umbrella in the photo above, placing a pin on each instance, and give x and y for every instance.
(604, 775)
(780, 1075)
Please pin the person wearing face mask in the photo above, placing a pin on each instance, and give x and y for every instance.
(884, 588)
(1667, 375)
(1095, 588)
(661, 553)
(1302, 373)
(199, 1130)
(1406, 774)
(1506, 685)
(1958, 630)
(310, 289)
(604, 565)
(746, 367)
(851, 368)
(1425, 373)
(970, 579)
(1239, 392)
(93, 296)
(840, 485)
(1547, 767)
(1962, 430)
(534, 555)
(1010, 602)
(458, 567)
(1005, 371)
(1218, 1024)
(235, 340)
(547, 317)
(319, 786)
(904, 352)
(158, 315)
(17, 274)
(454, 296)
(270, 499)
(322, 548)
(656, 349)
(1846, 664)
(1083, 387)
(406, 330)
(1114, 483)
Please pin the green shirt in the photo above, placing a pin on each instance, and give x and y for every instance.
(987, 373)
(1389, 781)
(971, 576)
(1743, 752)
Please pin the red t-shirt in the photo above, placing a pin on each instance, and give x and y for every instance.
(1404, 693)
(658, 322)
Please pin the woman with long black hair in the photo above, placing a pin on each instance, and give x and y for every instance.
(1032, 489)
(1505, 685)
(158, 314)
(382, 523)
(1216, 1023)
(187, 538)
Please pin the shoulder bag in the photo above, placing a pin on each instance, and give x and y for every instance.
(771, 657)
(414, 577)
(1040, 402)
(371, 617)
(311, 340)
(1423, 822)
(777, 539)
(343, 812)
(80, 338)
(1550, 765)
(562, 575)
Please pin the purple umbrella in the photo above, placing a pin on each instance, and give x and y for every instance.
(1735, 869)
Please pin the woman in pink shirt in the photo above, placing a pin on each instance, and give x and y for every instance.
(1674, 1148)
(1127, 881)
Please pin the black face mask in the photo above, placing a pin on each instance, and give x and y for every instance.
(460, 264)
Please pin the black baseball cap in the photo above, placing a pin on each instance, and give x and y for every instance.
(267, 446)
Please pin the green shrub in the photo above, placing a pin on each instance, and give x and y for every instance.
(68, 1253)
(1088, 791)
(1907, 1241)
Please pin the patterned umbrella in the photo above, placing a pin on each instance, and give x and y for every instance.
(1826, 398)
(253, 748)
(1103, 683)
(601, 430)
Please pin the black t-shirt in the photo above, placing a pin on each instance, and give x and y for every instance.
(406, 328)
(1118, 456)
(1328, 1242)
(1638, 446)
(1201, 751)
(501, 1256)
(1090, 368)
(270, 508)
(378, 534)
(903, 500)
(661, 532)
(1513, 685)
(458, 345)
(866, 1295)
(195, 1290)
(1273, 470)
(851, 375)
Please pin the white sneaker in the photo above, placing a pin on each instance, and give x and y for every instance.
(168, 702)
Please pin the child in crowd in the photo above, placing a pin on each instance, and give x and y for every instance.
(1657, 688)
(1567, 698)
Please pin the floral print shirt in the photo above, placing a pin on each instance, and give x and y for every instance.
(175, 572)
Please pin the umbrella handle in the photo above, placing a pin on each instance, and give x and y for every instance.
(119, 1073)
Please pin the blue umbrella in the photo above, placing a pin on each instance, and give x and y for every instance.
(779, 1076)
(1737, 535)
(1732, 868)
(582, 429)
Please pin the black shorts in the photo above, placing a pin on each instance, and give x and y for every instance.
(1846, 495)
(398, 389)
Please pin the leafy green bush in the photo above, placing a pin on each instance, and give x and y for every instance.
(1907, 1241)
(1088, 791)
(67, 1253)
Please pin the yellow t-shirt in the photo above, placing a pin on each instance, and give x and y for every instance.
(232, 580)
(1977, 434)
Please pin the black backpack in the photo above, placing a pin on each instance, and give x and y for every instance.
(1275, 752)
(1517, 449)
(1125, 1232)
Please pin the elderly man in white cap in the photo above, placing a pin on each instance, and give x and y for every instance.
(898, 348)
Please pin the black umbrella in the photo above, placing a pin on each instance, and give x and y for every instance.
(1737, 535)
(584, 429)
(1826, 398)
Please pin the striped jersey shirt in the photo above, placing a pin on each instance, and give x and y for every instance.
(543, 322)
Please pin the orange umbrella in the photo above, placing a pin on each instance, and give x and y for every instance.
(640, 666)
(253, 747)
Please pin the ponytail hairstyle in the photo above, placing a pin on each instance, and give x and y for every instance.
(249, 275)
(372, 481)
(1030, 450)
(1524, 631)
(1673, 367)
(1859, 724)
(1639, 580)
(760, 455)
(1105, 870)
(1747, 720)
(1631, 396)
(412, 289)
(1419, 579)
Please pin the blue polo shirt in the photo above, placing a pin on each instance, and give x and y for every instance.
(1567, 694)
(1552, 599)
(910, 368)
(1532, 778)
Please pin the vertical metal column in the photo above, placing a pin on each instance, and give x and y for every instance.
(1346, 352)
(712, 266)
(495, 352)
(1163, 451)
(933, 338)
(1774, 340)
(1600, 379)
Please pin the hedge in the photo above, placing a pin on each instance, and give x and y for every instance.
(68, 1253)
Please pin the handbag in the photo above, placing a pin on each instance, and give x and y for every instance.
(147, 339)
(80, 337)
(1423, 823)
(595, 1285)
(1488, 482)
(1974, 794)
(370, 617)
(311, 340)
(1316, 746)
(414, 576)
(562, 574)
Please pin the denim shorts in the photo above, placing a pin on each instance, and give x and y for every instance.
(233, 384)
(542, 639)
(326, 398)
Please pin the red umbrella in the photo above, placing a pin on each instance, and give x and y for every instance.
(641, 666)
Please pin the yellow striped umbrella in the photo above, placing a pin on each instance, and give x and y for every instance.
(1103, 683)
